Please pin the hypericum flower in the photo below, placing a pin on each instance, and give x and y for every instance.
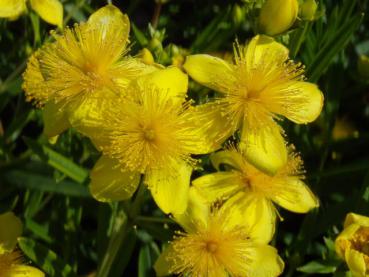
(218, 243)
(260, 87)
(151, 131)
(253, 191)
(277, 16)
(51, 10)
(83, 70)
(352, 244)
(10, 259)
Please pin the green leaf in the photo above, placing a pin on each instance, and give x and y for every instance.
(140, 36)
(334, 45)
(29, 180)
(38, 230)
(144, 261)
(58, 161)
(317, 267)
(46, 259)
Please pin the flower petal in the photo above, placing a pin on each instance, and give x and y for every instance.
(217, 186)
(109, 182)
(293, 195)
(232, 158)
(264, 50)
(258, 212)
(215, 127)
(10, 229)
(49, 10)
(12, 8)
(356, 263)
(263, 145)
(163, 265)
(264, 261)
(210, 71)
(301, 102)
(196, 214)
(169, 186)
(356, 218)
(25, 271)
(55, 119)
(110, 16)
(343, 240)
(171, 81)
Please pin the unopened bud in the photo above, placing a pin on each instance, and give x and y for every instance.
(308, 10)
(146, 56)
(277, 16)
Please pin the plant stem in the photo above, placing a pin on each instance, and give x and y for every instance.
(123, 221)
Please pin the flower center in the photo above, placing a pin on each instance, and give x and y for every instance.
(149, 134)
(211, 246)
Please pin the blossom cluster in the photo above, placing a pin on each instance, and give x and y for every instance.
(140, 118)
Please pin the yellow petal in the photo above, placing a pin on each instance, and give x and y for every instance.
(86, 115)
(10, 229)
(25, 271)
(49, 10)
(357, 219)
(356, 263)
(217, 186)
(12, 8)
(264, 261)
(263, 50)
(342, 242)
(55, 119)
(259, 215)
(216, 128)
(210, 71)
(263, 145)
(109, 182)
(232, 158)
(110, 16)
(196, 214)
(169, 186)
(171, 81)
(163, 265)
(301, 102)
(293, 195)
(277, 16)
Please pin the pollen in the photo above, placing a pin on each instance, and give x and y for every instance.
(212, 250)
(8, 260)
(149, 131)
(84, 59)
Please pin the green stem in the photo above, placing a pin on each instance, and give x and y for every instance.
(298, 40)
(124, 221)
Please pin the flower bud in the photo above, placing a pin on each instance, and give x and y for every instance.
(352, 244)
(308, 10)
(146, 56)
(277, 16)
(363, 66)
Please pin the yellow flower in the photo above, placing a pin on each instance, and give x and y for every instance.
(352, 244)
(84, 69)
(10, 259)
(153, 131)
(259, 88)
(277, 16)
(49, 10)
(253, 191)
(217, 243)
